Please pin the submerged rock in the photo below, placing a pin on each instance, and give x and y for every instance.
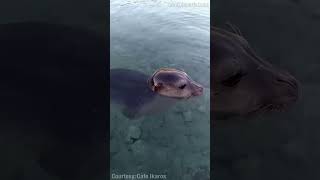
(139, 148)
(134, 133)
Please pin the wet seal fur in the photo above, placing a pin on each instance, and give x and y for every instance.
(244, 83)
(165, 81)
(141, 94)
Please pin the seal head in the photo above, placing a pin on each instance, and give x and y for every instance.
(243, 82)
(174, 83)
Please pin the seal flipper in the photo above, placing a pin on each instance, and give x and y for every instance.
(234, 28)
(130, 89)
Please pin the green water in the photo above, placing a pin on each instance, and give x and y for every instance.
(145, 36)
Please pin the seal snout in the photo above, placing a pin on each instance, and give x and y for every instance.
(290, 88)
(198, 90)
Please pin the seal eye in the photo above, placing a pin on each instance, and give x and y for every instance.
(233, 80)
(182, 86)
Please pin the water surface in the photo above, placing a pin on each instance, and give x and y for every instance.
(145, 36)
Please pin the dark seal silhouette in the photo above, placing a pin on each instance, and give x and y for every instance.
(244, 83)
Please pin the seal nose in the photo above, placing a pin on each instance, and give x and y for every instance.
(289, 80)
(198, 90)
(290, 88)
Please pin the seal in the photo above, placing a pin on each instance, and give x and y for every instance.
(141, 94)
(244, 83)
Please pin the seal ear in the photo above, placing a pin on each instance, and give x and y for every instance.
(154, 87)
(157, 87)
(151, 83)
